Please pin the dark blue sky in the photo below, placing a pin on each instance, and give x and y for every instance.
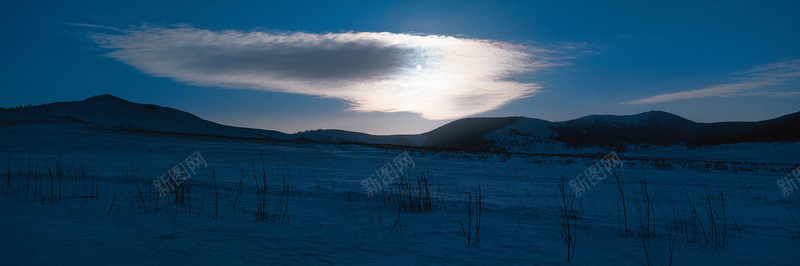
(707, 61)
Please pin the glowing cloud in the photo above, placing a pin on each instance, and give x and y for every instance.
(439, 77)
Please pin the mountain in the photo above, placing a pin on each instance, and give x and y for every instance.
(610, 131)
(110, 111)
(784, 128)
(502, 134)
(342, 136)
(466, 133)
(654, 127)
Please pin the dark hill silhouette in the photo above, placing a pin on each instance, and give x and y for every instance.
(519, 134)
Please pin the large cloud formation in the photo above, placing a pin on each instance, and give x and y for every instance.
(439, 77)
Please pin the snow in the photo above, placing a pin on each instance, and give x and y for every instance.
(530, 136)
(331, 220)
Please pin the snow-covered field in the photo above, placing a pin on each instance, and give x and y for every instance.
(73, 194)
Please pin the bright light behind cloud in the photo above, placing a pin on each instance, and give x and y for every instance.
(439, 77)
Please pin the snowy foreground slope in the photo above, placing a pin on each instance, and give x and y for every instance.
(78, 194)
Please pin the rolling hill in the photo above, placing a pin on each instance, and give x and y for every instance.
(504, 134)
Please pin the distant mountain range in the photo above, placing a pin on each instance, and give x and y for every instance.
(506, 134)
